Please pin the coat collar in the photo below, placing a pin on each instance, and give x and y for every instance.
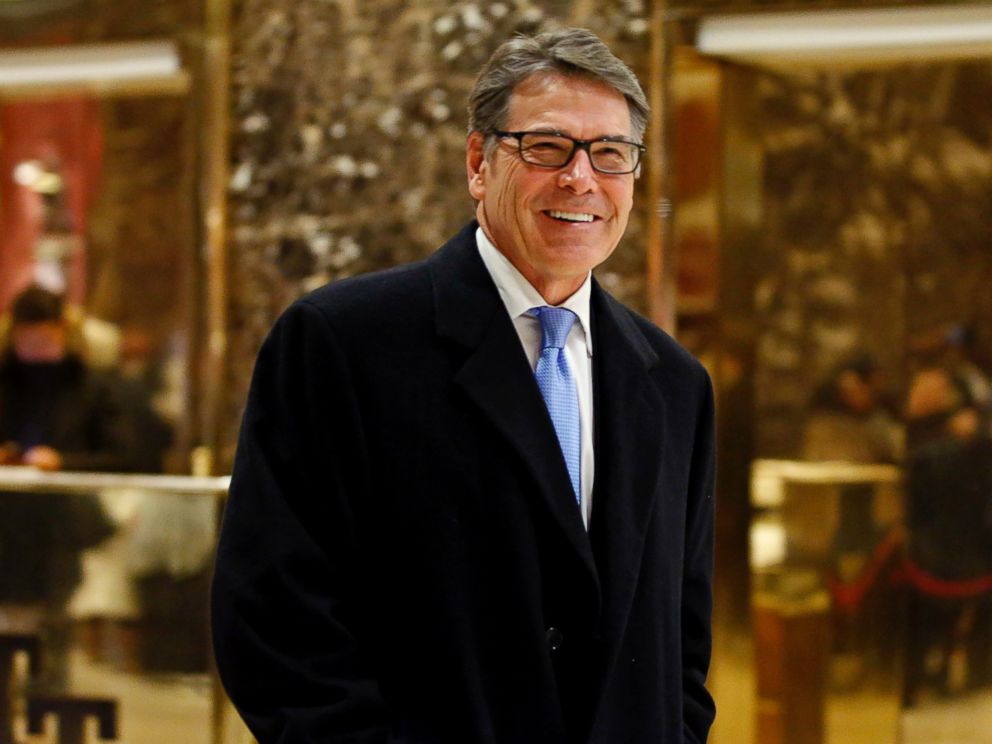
(495, 374)
(629, 412)
(630, 426)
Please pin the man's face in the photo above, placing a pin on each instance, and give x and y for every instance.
(520, 205)
(39, 343)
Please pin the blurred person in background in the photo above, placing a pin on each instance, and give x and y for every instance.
(848, 420)
(954, 347)
(949, 522)
(55, 414)
(849, 423)
(960, 358)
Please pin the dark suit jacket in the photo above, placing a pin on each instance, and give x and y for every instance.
(402, 558)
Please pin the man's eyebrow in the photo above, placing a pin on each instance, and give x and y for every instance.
(605, 137)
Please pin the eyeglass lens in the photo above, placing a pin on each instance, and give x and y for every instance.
(554, 151)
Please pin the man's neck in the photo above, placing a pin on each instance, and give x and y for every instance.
(554, 291)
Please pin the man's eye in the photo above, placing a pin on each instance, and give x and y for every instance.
(545, 145)
(613, 155)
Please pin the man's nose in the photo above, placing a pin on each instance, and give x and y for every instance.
(578, 176)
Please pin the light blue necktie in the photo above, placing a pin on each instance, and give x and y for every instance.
(554, 378)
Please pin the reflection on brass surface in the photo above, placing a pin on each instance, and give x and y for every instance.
(176, 84)
(26, 479)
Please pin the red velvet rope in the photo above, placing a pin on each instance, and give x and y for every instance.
(848, 597)
(945, 588)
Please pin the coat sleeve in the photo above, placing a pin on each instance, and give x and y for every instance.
(283, 619)
(698, 708)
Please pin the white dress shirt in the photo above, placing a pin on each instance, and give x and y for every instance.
(519, 296)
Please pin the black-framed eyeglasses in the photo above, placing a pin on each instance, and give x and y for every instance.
(611, 155)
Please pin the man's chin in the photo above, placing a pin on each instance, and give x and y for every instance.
(577, 254)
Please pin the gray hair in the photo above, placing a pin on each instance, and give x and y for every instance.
(570, 52)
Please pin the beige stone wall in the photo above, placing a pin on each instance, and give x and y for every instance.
(714, 6)
(348, 130)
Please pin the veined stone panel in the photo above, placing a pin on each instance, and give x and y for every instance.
(720, 6)
(877, 202)
(348, 142)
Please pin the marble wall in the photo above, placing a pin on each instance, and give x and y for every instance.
(348, 128)
(690, 7)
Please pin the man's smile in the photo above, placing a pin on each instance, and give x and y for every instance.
(563, 216)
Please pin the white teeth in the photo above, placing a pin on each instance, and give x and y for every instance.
(571, 216)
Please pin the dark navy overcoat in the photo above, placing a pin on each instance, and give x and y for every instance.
(402, 559)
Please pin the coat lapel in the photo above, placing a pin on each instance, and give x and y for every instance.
(496, 376)
(630, 414)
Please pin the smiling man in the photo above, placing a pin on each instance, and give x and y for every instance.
(472, 499)
(545, 202)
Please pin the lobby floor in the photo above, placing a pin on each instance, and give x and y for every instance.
(173, 709)
(177, 708)
(868, 716)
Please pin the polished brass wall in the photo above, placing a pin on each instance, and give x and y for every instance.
(875, 186)
(854, 219)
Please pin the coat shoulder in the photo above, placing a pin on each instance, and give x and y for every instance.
(377, 294)
(673, 356)
(384, 310)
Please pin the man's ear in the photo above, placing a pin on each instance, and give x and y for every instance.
(476, 165)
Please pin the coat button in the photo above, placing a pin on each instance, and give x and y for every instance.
(554, 638)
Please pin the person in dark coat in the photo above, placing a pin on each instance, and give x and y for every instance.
(949, 524)
(55, 414)
(424, 543)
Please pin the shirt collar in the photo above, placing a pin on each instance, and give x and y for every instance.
(519, 295)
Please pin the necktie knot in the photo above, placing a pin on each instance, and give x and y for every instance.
(556, 322)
